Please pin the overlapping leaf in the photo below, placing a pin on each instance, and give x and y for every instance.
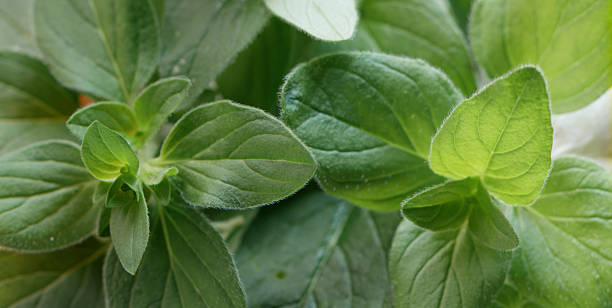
(502, 135)
(369, 118)
(234, 156)
(46, 197)
(33, 106)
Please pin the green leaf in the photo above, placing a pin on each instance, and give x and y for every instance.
(447, 206)
(569, 40)
(129, 230)
(99, 201)
(155, 104)
(201, 37)
(33, 106)
(503, 135)
(421, 29)
(325, 20)
(234, 156)
(369, 118)
(17, 24)
(121, 194)
(441, 207)
(270, 65)
(51, 279)
(45, 197)
(116, 116)
(162, 191)
(339, 262)
(106, 154)
(566, 249)
(444, 269)
(80, 288)
(186, 265)
(231, 224)
(109, 49)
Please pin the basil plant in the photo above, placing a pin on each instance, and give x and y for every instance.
(151, 153)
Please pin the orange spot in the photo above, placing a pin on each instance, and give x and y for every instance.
(85, 100)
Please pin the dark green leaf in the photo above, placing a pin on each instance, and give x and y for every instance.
(116, 116)
(565, 258)
(154, 105)
(45, 197)
(107, 48)
(201, 37)
(569, 40)
(51, 279)
(129, 230)
(234, 156)
(422, 29)
(270, 65)
(186, 265)
(339, 262)
(106, 154)
(33, 106)
(444, 269)
(369, 118)
(461, 10)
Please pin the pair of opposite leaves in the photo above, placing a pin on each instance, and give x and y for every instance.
(373, 147)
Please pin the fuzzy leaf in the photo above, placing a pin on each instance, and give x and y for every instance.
(106, 154)
(444, 269)
(54, 279)
(33, 106)
(234, 156)
(201, 37)
(107, 48)
(129, 230)
(186, 265)
(154, 105)
(503, 135)
(116, 116)
(283, 266)
(368, 119)
(566, 248)
(325, 20)
(569, 40)
(45, 197)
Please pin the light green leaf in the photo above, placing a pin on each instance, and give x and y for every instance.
(116, 116)
(234, 156)
(569, 40)
(447, 206)
(201, 37)
(566, 248)
(325, 20)
(33, 106)
(444, 269)
(17, 24)
(153, 175)
(421, 29)
(106, 154)
(121, 194)
(339, 262)
(186, 265)
(129, 230)
(369, 118)
(154, 105)
(109, 49)
(503, 135)
(45, 197)
(51, 279)
(269, 64)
